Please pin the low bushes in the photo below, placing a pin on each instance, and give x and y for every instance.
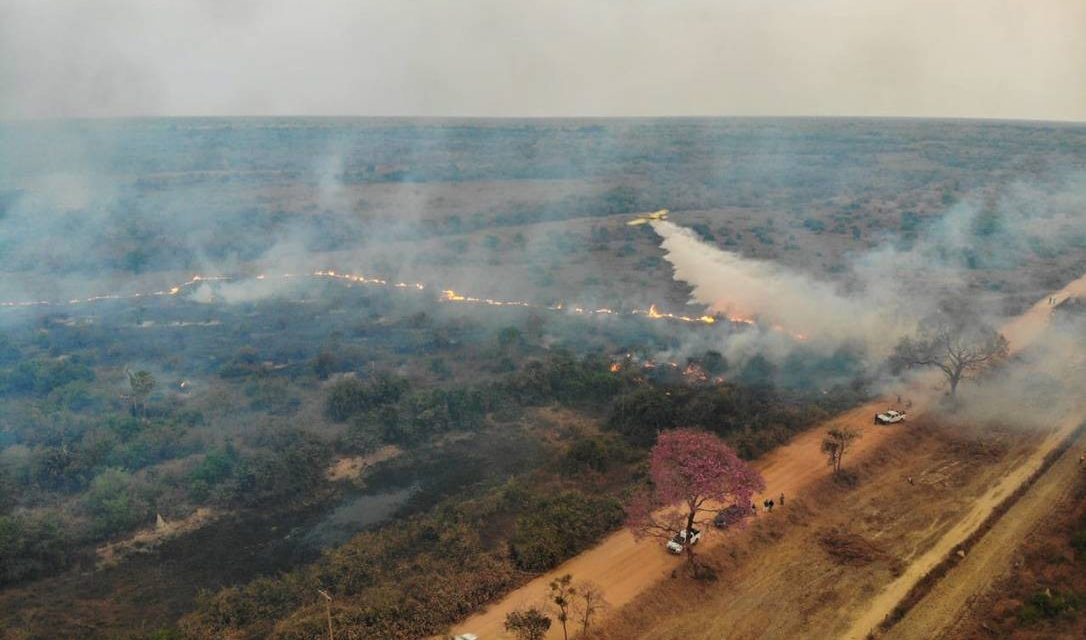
(414, 577)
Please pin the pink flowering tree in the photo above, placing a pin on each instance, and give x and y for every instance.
(694, 474)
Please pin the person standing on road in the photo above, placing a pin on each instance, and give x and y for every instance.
(754, 508)
(782, 498)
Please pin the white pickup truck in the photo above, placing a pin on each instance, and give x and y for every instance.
(677, 544)
(889, 417)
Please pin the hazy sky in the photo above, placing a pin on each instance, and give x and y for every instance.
(982, 58)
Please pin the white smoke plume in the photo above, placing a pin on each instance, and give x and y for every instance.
(892, 286)
(777, 296)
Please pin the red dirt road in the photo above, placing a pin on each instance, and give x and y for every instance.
(951, 603)
(625, 567)
(1019, 332)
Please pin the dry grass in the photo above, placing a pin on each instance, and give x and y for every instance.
(793, 574)
(850, 548)
(351, 468)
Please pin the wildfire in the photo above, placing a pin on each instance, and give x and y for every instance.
(695, 373)
(446, 295)
(170, 291)
(692, 373)
(655, 314)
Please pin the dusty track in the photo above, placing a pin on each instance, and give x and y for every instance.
(1020, 332)
(881, 606)
(946, 606)
(627, 567)
(779, 579)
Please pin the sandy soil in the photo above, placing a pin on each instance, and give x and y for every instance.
(146, 540)
(351, 468)
(1045, 560)
(628, 568)
(980, 508)
(950, 605)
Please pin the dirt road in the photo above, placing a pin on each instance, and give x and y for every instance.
(627, 567)
(800, 572)
(979, 510)
(1020, 332)
(949, 603)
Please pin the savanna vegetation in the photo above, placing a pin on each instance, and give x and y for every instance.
(508, 438)
(245, 410)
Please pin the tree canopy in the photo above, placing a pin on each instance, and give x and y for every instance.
(838, 440)
(527, 624)
(693, 473)
(956, 342)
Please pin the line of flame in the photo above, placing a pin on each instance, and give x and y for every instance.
(447, 295)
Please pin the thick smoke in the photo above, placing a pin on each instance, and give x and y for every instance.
(885, 291)
(99, 207)
(1039, 386)
(770, 293)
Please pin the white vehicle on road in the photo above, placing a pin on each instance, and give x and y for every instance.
(677, 544)
(466, 636)
(890, 417)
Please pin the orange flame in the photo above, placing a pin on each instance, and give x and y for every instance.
(447, 295)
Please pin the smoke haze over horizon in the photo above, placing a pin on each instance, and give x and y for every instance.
(1016, 59)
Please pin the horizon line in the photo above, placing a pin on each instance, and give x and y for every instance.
(989, 119)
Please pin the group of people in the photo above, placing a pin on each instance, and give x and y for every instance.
(767, 504)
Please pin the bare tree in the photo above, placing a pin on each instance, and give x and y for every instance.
(838, 440)
(561, 595)
(955, 341)
(588, 604)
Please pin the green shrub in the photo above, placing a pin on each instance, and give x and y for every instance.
(586, 454)
(641, 414)
(40, 377)
(349, 397)
(559, 527)
(113, 502)
(1078, 541)
(32, 546)
(273, 395)
(1045, 605)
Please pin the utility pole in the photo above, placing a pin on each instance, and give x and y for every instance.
(328, 610)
